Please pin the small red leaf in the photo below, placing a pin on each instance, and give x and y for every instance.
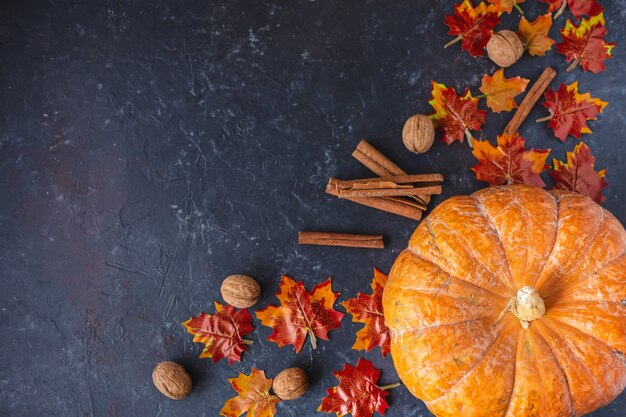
(509, 162)
(301, 313)
(368, 309)
(472, 25)
(577, 7)
(357, 392)
(577, 174)
(222, 333)
(584, 44)
(455, 116)
(570, 110)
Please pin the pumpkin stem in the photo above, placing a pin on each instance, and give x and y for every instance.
(527, 306)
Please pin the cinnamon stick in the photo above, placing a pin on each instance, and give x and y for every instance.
(341, 239)
(529, 101)
(380, 165)
(389, 186)
(396, 205)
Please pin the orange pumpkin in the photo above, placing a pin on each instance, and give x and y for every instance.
(511, 302)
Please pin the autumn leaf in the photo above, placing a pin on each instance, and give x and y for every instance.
(577, 7)
(584, 44)
(357, 392)
(301, 313)
(253, 396)
(509, 162)
(507, 5)
(455, 116)
(472, 25)
(368, 309)
(534, 35)
(577, 174)
(570, 110)
(222, 333)
(500, 92)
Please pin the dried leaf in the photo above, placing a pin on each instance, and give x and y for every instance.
(301, 313)
(222, 333)
(570, 110)
(577, 7)
(584, 44)
(357, 392)
(472, 25)
(534, 35)
(455, 116)
(253, 396)
(506, 5)
(368, 309)
(577, 174)
(500, 92)
(510, 162)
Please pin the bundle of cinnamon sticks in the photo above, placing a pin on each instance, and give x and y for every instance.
(393, 190)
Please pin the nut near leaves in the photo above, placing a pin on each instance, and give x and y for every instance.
(240, 291)
(418, 133)
(505, 48)
(290, 383)
(172, 380)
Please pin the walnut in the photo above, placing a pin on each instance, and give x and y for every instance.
(240, 291)
(418, 133)
(290, 383)
(505, 48)
(172, 380)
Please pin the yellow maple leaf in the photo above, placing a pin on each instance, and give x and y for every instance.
(500, 91)
(253, 396)
(534, 35)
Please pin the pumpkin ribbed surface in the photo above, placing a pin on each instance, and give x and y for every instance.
(511, 302)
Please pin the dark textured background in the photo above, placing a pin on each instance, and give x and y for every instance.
(151, 148)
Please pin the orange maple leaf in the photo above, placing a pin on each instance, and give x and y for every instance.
(368, 309)
(301, 313)
(500, 92)
(509, 162)
(455, 115)
(577, 174)
(570, 110)
(507, 5)
(253, 396)
(584, 44)
(534, 35)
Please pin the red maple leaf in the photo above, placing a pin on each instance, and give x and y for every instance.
(509, 162)
(357, 392)
(301, 313)
(570, 110)
(455, 116)
(577, 174)
(584, 44)
(472, 25)
(577, 7)
(222, 333)
(368, 309)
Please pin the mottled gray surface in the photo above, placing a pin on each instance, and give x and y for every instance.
(150, 148)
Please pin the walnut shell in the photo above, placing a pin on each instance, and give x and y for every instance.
(172, 380)
(240, 291)
(290, 383)
(418, 133)
(505, 48)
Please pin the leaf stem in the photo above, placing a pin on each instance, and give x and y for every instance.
(561, 10)
(470, 138)
(544, 119)
(573, 65)
(247, 342)
(453, 41)
(313, 339)
(386, 387)
(481, 96)
(518, 8)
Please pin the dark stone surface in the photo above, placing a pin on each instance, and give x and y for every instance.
(150, 148)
